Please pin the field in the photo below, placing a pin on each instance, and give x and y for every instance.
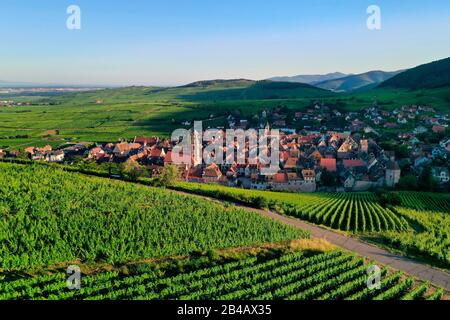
(291, 276)
(50, 216)
(408, 227)
(112, 114)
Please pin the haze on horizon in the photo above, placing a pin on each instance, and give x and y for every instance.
(179, 41)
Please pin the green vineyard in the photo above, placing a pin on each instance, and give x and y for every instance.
(353, 212)
(425, 201)
(419, 226)
(50, 216)
(294, 276)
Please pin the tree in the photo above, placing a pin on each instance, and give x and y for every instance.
(408, 182)
(328, 179)
(169, 175)
(132, 170)
(426, 180)
(386, 198)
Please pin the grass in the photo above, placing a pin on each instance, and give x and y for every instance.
(134, 111)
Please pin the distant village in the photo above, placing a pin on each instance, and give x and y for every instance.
(321, 149)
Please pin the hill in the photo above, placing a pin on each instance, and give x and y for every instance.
(259, 90)
(95, 219)
(310, 79)
(219, 82)
(358, 81)
(427, 76)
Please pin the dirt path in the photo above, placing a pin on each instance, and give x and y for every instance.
(415, 268)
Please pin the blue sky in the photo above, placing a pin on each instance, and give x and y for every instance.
(178, 41)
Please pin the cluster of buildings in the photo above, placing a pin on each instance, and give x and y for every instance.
(407, 115)
(355, 163)
(347, 158)
(10, 103)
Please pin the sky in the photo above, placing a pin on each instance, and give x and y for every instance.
(171, 42)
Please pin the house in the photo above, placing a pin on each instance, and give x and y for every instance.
(420, 161)
(439, 152)
(346, 148)
(121, 149)
(364, 145)
(309, 175)
(420, 130)
(96, 153)
(438, 129)
(54, 156)
(146, 140)
(353, 163)
(316, 155)
(212, 174)
(445, 144)
(441, 174)
(329, 164)
(291, 163)
(393, 173)
(390, 125)
(280, 123)
(277, 178)
(348, 180)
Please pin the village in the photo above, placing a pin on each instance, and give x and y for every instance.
(333, 151)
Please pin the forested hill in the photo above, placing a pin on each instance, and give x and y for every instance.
(432, 75)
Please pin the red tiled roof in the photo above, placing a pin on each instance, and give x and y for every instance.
(279, 178)
(156, 153)
(353, 163)
(212, 171)
(329, 164)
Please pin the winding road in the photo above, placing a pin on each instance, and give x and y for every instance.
(414, 268)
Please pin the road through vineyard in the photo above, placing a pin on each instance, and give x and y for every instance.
(398, 262)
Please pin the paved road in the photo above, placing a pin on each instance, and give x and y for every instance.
(395, 261)
(415, 268)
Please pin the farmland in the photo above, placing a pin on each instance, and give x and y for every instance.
(50, 216)
(293, 275)
(407, 227)
(123, 113)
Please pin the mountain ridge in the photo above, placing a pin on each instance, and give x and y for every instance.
(431, 75)
(358, 81)
(309, 79)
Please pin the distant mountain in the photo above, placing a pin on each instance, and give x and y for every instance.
(357, 82)
(427, 76)
(220, 90)
(310, 79)
(220, 82)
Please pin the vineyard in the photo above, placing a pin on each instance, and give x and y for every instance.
(48, 216)
(432, 237)
(420, 226)
(293, 276)
(353, 212)
(425, 201)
